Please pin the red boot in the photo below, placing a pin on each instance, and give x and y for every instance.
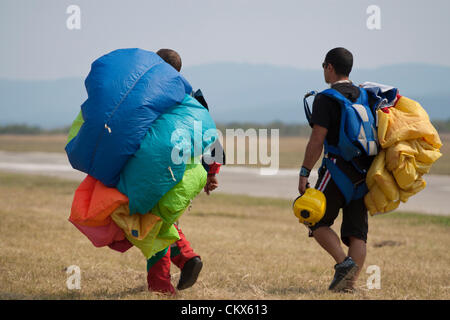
(158, 274)
(184, 257)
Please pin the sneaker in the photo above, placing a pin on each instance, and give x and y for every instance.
(344, 272)
(189, 273)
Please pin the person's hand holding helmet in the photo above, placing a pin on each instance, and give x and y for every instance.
(303, 180)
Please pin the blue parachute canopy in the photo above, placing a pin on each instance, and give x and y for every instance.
(127, 90)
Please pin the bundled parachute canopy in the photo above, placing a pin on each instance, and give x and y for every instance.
(127, 90)
(133, 137)
(103, 216)
(410, 146)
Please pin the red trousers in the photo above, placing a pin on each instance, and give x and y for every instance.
(158, 276)
(181, 251)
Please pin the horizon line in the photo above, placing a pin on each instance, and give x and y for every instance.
(236, 63)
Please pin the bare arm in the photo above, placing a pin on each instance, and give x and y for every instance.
(312, 153)
(315, 146)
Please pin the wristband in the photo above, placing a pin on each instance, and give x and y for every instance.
(304, 172)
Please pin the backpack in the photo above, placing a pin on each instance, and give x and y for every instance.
(357, 137)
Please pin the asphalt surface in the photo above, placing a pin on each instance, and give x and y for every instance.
(234, 180)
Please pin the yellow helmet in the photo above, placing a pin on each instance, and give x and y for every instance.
(310, 207)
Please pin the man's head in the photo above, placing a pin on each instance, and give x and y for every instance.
(337, 65)
(171, 57)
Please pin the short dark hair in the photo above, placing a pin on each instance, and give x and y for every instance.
(341, 59)
(171, 57)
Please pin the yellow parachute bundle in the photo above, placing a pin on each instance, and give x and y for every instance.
(410, 145)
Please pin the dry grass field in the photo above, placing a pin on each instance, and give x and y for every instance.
(291, 149)
(31, 143)
(252, 248)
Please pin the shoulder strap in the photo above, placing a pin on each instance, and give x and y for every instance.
(333, 93)
(336, 95)
(363, 96)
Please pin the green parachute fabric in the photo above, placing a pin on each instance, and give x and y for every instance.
(169, 208)
(76, 125)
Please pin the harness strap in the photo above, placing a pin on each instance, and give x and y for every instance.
(306, 107)
(331, 149)
(349, 190)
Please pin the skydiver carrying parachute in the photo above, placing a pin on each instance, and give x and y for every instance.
(326, 124)
(122, 138)
(352, 124)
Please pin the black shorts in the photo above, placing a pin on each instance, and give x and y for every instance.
(354, 218)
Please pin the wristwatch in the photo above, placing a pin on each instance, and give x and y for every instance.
(304, 172)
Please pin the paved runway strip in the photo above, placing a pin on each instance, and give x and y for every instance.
(234, 180)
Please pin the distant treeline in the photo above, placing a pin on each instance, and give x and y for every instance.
(284, 129)
(27, 129)
(290, 130)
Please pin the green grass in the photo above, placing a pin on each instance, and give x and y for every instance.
(416, 219)
(412, 218)
(249, 200)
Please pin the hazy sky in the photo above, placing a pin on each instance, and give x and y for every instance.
(36, 43)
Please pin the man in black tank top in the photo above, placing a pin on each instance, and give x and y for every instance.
(326, 118)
